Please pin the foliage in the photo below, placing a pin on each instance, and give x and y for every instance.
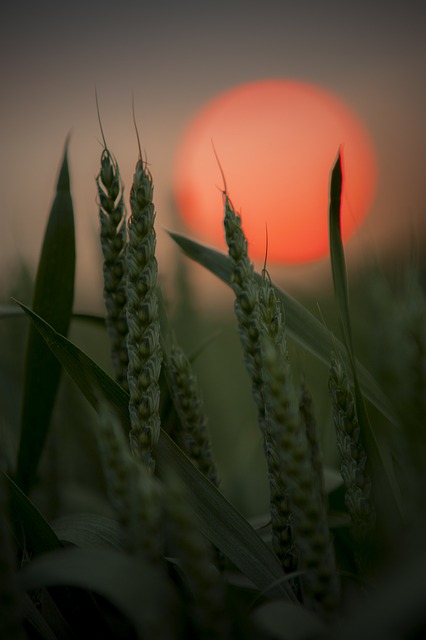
(168, 555)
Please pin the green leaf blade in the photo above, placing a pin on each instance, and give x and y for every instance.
(337, 256)
(53, 299)
(222, 524)
(379, 456)
(89, 530)
(32, 531)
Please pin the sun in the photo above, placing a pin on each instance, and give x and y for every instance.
(276, 141)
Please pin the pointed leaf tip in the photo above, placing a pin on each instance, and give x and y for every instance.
(63, 184)
(336, 181)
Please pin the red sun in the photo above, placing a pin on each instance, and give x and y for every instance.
(277, 142)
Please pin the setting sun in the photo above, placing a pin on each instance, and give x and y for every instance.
(277, 142)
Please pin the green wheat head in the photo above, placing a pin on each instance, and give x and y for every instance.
(143, 341)
(134, 494)
(352, 453)
(112, 214)
(193, 435)
(301, 537)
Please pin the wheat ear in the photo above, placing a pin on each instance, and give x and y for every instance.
(307, 411)
(320, 583)
(193, 436)
(273, 328)
(143, 341)
(352, 453)
(258, 312)
(133, 492)
(112, 214)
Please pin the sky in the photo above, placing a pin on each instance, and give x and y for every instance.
(173, 57)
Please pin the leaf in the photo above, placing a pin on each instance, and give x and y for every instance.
(31, 529)
(89, 530)
(222, 524)
(36, 619)
(11, 311)
(53, 299)
(337, 256)
(379, 456)
(301, 325)
(219, 521)
(140, 591)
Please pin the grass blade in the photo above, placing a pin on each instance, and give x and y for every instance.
(89, 530)
(301, 325)
(379, 458)
(33, 532)
(337, 256)
(53, 299)
(36, 620)
(138, 590)
(219, 521)
(8, 311)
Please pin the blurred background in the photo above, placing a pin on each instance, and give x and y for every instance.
(173, 58)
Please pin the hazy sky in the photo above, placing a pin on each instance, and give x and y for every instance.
(175, 56)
